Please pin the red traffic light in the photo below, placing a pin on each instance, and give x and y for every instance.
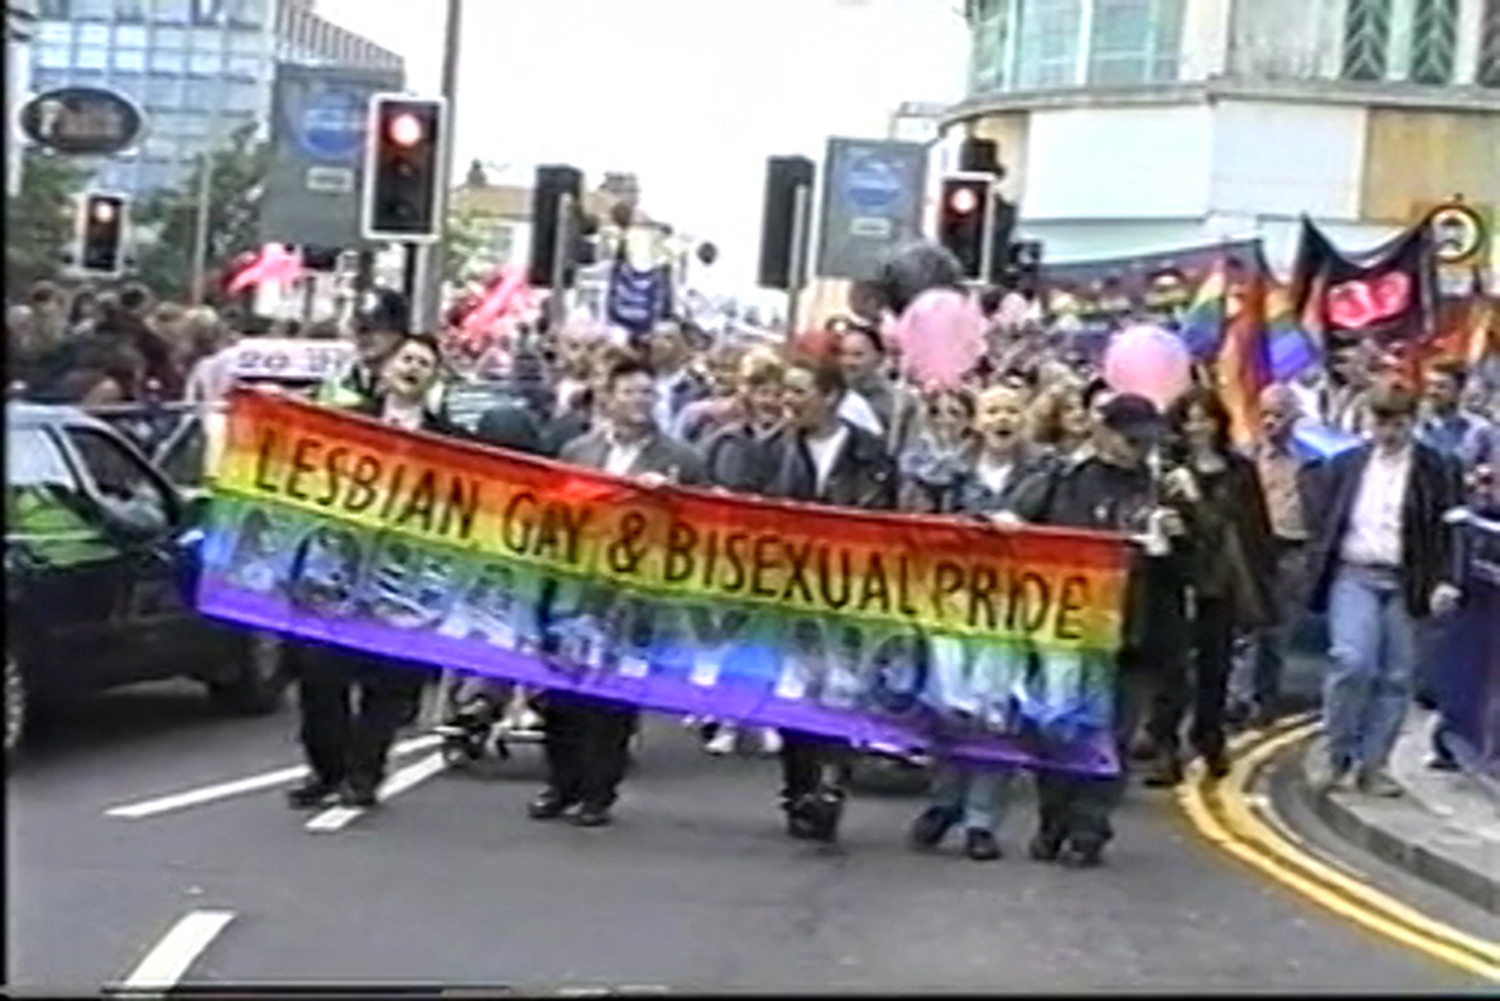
(963, 200)
(405, 129)
(102, 210)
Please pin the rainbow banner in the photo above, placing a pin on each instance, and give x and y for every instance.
(919, 635)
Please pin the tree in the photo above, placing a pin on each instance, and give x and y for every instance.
(468, 236)
(239, 171)
(40, 220)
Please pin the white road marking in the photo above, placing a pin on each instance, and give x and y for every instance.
(239, 787)
(339, 817)
(165, 964)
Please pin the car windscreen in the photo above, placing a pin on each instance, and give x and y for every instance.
(33, 459)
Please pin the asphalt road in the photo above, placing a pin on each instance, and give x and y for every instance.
(694, 888)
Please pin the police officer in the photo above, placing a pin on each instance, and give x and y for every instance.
(347, 746)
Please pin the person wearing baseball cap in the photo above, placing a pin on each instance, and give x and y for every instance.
(1111, 487)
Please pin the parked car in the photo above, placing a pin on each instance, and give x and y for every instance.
(100, 564)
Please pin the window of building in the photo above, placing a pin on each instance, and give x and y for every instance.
(992, 26)
(247, 43)
(1434, 43)
(56, 32)
(244, 96)
(174, 11)
(59, 10)
(160, 147)
(129, 60)
(1049, 43)
(91, 10)
(130, 10)
(1134, 41)
(163, 92)
(245, 67)
(1489, 46)
(168, 61)
(132, 85)
(91, 57)
(170, 37)
(1367, 39)
(247, 13)
(1026, 44)
(202, 96)
(54, 56)
(93, 34)
(155, 175)
(44, 80)
(206, 63)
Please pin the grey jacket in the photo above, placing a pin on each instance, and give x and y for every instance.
(660, 454)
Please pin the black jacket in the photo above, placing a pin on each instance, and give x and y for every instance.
(738, 459)
(1089, 493)
(1427, 554)
(863, 474)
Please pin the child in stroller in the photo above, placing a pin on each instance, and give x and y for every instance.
(485, 713)
(489, 713)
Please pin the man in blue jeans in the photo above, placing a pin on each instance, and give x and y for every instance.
(1382, 561)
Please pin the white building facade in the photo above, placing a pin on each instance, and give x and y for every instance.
(1132, 126)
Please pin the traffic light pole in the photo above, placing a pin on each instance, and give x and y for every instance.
(562, 249)
(410, 271)
(797, 258)
(427, 307)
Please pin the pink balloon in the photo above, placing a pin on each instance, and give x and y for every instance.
(941, 337)
(1146, 360)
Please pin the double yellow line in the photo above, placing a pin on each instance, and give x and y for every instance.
(1222, 813)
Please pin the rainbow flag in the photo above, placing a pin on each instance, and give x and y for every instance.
(1242, 367)
(1290, 350)
(995, 646)
(1202, 324)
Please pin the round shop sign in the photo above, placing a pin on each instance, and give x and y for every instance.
(82, 121)
(333, 122)
(871, 184)
(1458, 232)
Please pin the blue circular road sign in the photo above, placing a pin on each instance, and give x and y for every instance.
(871, 184)
(333, 122)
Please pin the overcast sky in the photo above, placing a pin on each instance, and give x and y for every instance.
(691, 95)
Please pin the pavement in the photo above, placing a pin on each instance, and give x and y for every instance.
(1446, 829)
(149, 845)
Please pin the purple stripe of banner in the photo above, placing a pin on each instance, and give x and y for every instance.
(725, 700)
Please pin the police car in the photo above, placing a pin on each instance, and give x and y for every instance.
(100, 565)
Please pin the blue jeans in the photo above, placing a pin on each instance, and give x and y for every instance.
(976, 797)
(1369, 681)
(1256, 679)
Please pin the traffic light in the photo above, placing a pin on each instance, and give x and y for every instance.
(555, 225)
(965, 219)
(101, 233)
(403, 169)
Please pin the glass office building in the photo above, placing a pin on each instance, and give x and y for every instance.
(199, 68)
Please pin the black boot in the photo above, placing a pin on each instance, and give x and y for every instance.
(928, 830)
(1083, 851)
(1046, 845)
(815, 817)
(1165, 772)
(359, 794)
(980, 845)
(313, 793)
(549, 805)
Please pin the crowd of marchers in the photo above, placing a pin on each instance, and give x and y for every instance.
(1234, 544)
